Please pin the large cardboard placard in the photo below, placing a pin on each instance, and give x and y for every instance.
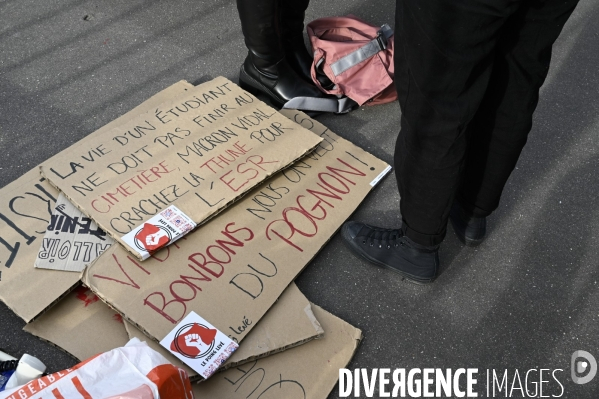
(309, 371)
(81, 325)
(25, 208)
(231, 270)
(289, 323)
(198, 152)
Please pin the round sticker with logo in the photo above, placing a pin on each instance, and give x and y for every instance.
(151, 238)
(193, 340)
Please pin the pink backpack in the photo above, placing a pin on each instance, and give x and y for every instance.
(352, 60)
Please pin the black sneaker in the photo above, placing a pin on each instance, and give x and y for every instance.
(470, 230)
(390, 249)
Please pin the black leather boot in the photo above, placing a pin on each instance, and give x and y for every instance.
(266, 69)
(469, 229)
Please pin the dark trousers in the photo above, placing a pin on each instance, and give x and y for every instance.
(468, 74)
(271, 25)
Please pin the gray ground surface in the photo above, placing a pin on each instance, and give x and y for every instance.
(527, 298)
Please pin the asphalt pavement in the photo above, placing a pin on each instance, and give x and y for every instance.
(526, 298)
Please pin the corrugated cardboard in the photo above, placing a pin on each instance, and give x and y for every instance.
(309, 371)
(198, 152)
(234, 268)
(81, 325)
(289, 323)
(25, 208)
(72, 240)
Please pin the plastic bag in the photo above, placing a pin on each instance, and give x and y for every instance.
(134, 371)
(15, 373)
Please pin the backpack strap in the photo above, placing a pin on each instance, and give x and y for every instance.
(335, 105)
(377, 44)
(342, 104)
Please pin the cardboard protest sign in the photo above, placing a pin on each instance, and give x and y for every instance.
(150, 181)
(72, 240)
(25, 208)
(309, 371)
(231, 270)
(289, 323)
(25, 211)
(81, 325)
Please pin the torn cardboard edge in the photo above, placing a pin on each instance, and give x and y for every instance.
(51, 304)
(310, 371)
(80, 325)
(135, 332)
(193, 377)
(269, 333)
(55, 345)
(281, 150)
(128, 321)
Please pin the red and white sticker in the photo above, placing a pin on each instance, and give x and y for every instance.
(159, 231)
(199, 344)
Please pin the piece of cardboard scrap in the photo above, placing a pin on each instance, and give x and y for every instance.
(309, 371)
(25, 211)
(81, 325)
(153, 179)
(289, 322)
(233, 269)
(72, 240)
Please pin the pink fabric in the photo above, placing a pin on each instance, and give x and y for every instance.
(371, 81)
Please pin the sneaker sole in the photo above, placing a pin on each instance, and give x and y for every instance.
(406, 276)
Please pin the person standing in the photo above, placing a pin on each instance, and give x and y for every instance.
(468, 75)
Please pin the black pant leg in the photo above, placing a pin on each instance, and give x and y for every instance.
(444, 53)
(260, 20)
(292, 18)
(500, 128)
